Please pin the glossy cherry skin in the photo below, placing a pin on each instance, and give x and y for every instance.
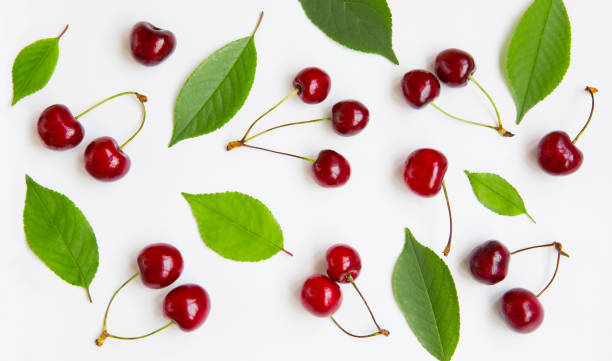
(424, 171)
(557, 154)
(454, 67)
(313, 85)
(349, 117)
(151, 45)
(321, 296)
(58, 129)
(522, 310)
(331, 169)
(342, 261)
(105, 161)
(489, 262)
(420, 87)
(160, 264)
(188, 306)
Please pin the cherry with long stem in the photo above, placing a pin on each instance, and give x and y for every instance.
(450, 220)
(591, 91)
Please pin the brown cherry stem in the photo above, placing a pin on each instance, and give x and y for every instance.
(553, 244)
(591, 91)
(500, 128)
(450, 220)
(295, 91)
(380, 332)
(63, 32)
(559, 248)
(233, 145)
(380, 329)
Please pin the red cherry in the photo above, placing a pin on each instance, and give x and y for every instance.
(331, 169)
(342, 261)
(149, 44)
(105, 161)
(160, 265)
(321, 296)
(188, 306)
(58, 129)
(349, 117)
(489, 262)
(557, 154)
(424, 171)
(420, 87)
(453, 67)
(313, 85)
(522, 310)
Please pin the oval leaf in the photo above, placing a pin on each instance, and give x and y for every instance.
(425, 292)
(215, 91)
(363, 25)
(495, 193)
(59, 234)
(236, 226)
(33, 67)
(539, 54)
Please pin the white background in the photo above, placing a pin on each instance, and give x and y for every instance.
(256, 314)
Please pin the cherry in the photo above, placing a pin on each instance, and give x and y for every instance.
(105, 160)
(321, 296)
(420, 87)
(489, 262)
(454, 67)
(424, 171)
(58, 129)
(343, 263)
(331, 169)
(349, 117)
(312, 85)
(188, 306)
(522, 310)
(149, 44)
(160, 265)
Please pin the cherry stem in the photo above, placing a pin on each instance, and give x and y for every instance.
(261, 14)
(352, 280)
(450, 219)
(284, 125)
(554, 244)
(559, 248)
(461, 119)
(233, 145)
(380, 332)
(500, 129)
(63, 32)
(591, 91)
(141, 99)
(295, 91)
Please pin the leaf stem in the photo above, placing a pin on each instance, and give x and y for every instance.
(381, 332)
(541, 246)
(450, 219)
(352, 280)
(63, 32)
(530, 217)
(276, 152)
(591, 91)
(500, 129)
(141, 99)
(461, 119)
(284, 125)
(88, 295)
(559, 248)
(295, 91)
(261, 14)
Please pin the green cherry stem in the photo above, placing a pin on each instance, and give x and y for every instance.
(238, 143)
(141, 99)
(62, 33)
(381, 332)
(461, 119)
(450, 220)
(500, 128)
(295, 91)
(591, 91)
(282, 126)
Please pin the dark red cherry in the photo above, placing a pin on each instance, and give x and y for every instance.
(313, 85)
(160, 264)
(331, 169)
(489, 262)
(188, 306)
(424, 171)
(342, 261)
(321, 296)
(58, 129)
(349, 117)
(557, 154)
(420, 87)
(105, 161)
(453, 67)
(522, 310)
(151, 45)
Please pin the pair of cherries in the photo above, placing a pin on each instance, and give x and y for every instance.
(321, 294)
(188, 305)
(520, 308)
(349, 117)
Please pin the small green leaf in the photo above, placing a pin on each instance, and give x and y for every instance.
(539, 54)
(216, 90)
(495, 193)
(59, 234)
(363, 25)
(425, 292)
(236, 226)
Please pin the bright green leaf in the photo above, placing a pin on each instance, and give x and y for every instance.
(236, 226)
(33, 67)
(539, 54)
(59, 234)
(425, 292)
(495, 193)
(363, 25)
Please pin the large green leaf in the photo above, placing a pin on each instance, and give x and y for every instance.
(425, 292)
(216, 90)
(539, 54)
(59, 234)
(363, 25)
(236, 226)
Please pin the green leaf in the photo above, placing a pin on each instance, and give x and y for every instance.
(539, 54)
(33, 67)
(363, 25)
(236, 226)
(216, 90)
(425, 292)
(59, 234)
(495, 193)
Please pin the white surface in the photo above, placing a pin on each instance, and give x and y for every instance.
(256, 314)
